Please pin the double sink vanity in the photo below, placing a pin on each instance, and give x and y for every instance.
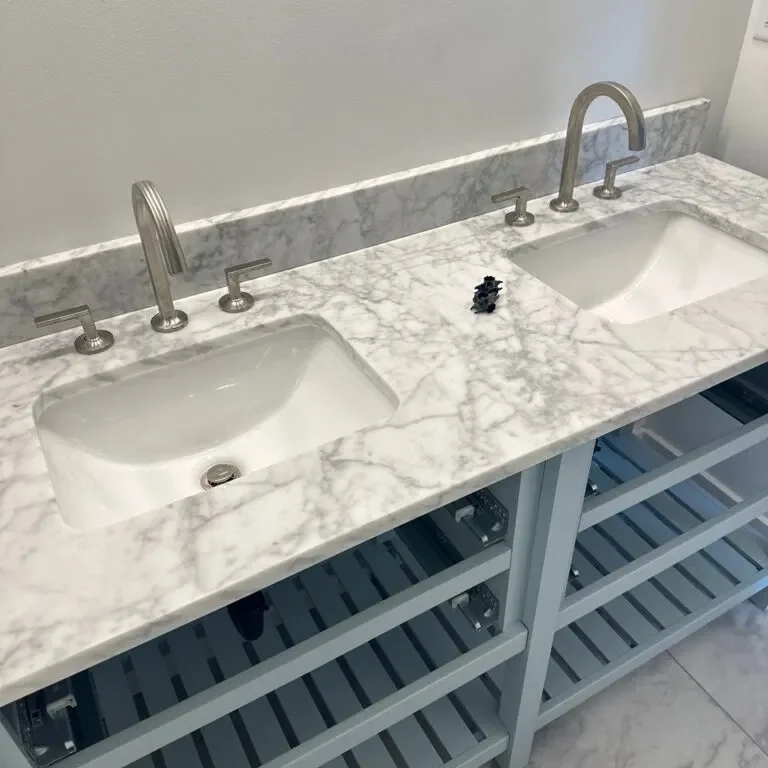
(459, 535)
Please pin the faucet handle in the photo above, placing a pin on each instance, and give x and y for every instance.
(92, 340)
(236, 300)
(520, 216)
(608, 189)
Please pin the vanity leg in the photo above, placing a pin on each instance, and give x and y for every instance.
(549, 504)
(12, 754)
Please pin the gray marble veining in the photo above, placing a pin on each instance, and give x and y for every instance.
(112, 278)
(658, 717)
(729, 660)
(481, 397)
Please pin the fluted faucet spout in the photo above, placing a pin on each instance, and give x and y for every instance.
(162, 252)
(564, 202)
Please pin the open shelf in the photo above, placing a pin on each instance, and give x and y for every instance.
(419, 659)
(607, 643)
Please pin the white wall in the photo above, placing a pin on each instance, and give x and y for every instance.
(744, 138)
(229, 103)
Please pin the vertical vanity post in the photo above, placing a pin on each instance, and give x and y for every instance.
(549, 502)
(12, 754)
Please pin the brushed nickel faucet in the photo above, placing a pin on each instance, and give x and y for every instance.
(162, 252)
(608, 189)
(92, 340)
(235, 299)
(521, 216)
(564, 202)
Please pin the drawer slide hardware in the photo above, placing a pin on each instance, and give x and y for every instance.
(479, 606)
(485, 517)
(44, 721)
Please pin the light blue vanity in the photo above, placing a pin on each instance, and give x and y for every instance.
(460, 526)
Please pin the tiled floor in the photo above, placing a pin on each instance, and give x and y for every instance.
(702, 705)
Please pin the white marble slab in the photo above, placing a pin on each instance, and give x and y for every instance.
(481, 397)
(658, 717)
(729, 660)
(112, 279)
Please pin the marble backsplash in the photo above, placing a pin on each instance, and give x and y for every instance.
(112, 278)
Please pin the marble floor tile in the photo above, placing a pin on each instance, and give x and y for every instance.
(729, 660)
(657, 717)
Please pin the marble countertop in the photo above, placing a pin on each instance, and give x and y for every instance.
(481, 398)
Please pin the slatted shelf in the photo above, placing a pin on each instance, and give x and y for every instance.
(673, 472)
(609, 642)
(459, 729)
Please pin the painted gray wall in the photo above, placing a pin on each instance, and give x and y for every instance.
(230, 104)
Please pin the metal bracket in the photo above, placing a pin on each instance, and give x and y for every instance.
(485, 516)
(479, 607)
(592, 489)
(45, 725)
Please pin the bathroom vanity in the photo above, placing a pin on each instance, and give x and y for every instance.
(461, 529)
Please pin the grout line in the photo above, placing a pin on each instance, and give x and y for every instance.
(716, 702)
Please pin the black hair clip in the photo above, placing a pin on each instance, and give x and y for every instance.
(486, 295)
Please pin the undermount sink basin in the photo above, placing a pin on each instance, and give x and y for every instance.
(119, 449)
(646, 266)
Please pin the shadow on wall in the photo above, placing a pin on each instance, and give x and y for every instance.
(744, 139)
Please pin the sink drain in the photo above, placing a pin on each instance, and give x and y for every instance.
(219, 474)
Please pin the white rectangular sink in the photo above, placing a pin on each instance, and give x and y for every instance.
(645, 266)
(120, 449)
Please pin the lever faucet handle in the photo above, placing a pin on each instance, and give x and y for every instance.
(236, 300)
(608, 189)
(92, 340)
(520, 216)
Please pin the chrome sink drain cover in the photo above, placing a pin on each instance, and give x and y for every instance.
(219, 474)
